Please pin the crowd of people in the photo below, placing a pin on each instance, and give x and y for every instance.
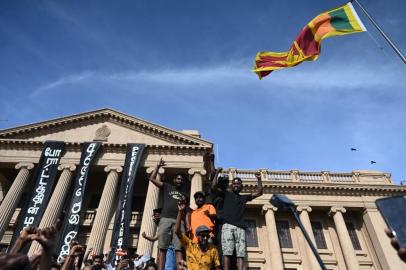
(211, 236)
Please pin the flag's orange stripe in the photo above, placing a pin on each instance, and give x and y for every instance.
(321, 25)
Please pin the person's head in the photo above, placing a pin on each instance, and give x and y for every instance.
(150, 266)
(203, 235)
(179, 180)
(98, 259)
(156, 215)
(236, 185)
(200, 198)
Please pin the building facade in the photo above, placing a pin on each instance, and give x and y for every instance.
(338, 209)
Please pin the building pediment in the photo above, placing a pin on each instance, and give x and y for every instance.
(105, 125)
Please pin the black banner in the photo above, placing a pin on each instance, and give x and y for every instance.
(71, 223)
(44, 176)
(119, 239)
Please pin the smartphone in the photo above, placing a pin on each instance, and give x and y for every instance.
(393, 210)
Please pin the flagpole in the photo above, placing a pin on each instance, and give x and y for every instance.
(396, 49)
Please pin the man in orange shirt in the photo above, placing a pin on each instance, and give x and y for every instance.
(203, 215)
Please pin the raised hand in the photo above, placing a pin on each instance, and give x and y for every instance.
(27, 233)
(182, 205)
(258, 175)
(46, 237)
(161, 163)
(76, 250)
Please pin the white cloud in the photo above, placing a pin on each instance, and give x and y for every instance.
(307, 77)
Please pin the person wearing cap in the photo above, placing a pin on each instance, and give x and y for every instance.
(172, 194)
(204, 214)
(233, 229)
(201, 255)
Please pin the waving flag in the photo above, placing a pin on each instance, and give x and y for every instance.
(342, 20)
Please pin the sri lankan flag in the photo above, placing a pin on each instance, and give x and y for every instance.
(339, 21)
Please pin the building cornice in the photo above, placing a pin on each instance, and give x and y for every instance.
(270, 187)
(106, 114)
(117, 146)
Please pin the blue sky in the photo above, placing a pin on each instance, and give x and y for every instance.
(187, 65)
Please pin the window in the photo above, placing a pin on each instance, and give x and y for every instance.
(283, 228)
(353, 235)
(318, 235)
(251, 233)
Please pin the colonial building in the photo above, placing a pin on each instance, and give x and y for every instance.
(338, 209)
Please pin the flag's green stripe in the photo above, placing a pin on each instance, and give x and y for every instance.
(339, 20)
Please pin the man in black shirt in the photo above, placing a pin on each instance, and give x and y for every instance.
(172, 194)
(233, 229)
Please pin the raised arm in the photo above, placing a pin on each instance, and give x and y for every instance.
(260, 189)
(214, 180)
(153, 175)
(181, 213)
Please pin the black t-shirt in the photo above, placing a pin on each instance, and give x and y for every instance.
(218, 203)
(234, 207)
(171, 197)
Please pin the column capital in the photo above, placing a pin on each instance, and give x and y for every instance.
(266, 208)
(301, 208)
(27, 165)
(70, 167)
(149, 170)
(335, 209)
(109, 168)
(200, 171)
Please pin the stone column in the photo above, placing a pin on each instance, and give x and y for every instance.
(144, 247)
(304, 218)
(55, 205)
(196, 183)
(10, 202)
(274, 253)
(351, 260)
(104, 209)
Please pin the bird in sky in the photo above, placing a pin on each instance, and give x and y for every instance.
(353, 149)
(373, 162)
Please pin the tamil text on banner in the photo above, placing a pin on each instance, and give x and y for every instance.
(44, 178)
(70, 226)
(342, 20)
(119, 240)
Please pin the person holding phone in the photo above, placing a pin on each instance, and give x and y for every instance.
(172, 194)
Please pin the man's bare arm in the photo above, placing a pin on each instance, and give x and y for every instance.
(149, 238)
(214, 180)
(181, 213)
(153, 175)
(260, 188)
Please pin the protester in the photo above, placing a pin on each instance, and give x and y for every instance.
(170, 258)
(204, 214)
(172, 194)
(201, 255)
(233, 229)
